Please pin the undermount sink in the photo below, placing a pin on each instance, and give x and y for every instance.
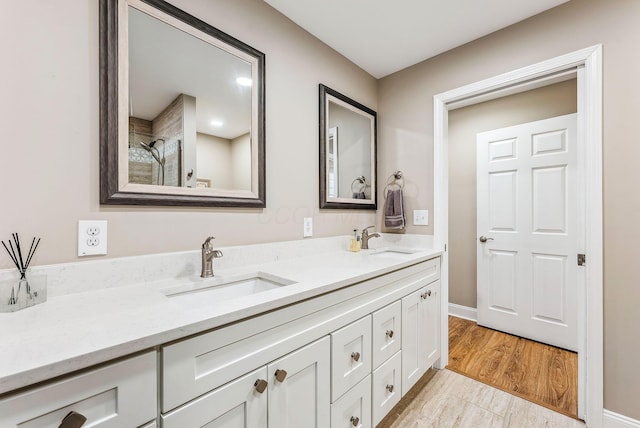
(392, 252)
(213, 290)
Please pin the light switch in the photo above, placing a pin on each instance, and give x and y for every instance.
(421, 217)
(308, 227)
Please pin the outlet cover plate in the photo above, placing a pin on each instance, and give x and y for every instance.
(92, 237)
(421, 217)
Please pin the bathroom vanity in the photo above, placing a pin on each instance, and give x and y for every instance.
(332, 338)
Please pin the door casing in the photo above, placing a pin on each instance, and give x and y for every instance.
(587, 64)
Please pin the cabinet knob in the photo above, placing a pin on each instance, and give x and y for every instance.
(261, 385)
(73, 420)
(389, 334)
(390, 388)
(355, 421)
(429, 293)
(281, 375)
(355, 356)
(423, 296)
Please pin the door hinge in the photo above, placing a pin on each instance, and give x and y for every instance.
(582, 259)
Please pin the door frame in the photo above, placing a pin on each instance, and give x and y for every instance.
(587, 64)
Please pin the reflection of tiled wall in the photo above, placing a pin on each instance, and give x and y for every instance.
(140, 166)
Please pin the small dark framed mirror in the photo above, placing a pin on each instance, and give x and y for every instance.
(181, 110)
(347, 152)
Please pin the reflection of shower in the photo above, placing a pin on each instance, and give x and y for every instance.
(156, 155)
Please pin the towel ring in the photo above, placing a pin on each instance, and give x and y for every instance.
(361, 187)
(395, 179)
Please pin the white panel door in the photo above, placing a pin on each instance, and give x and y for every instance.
(527, 202)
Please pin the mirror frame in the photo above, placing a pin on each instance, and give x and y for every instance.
(112, 102)
(325, 202)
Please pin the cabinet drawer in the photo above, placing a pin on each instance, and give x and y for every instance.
(350, 356)
(386, 387)
(386, 333)
(237, 403)
(118, 395)
(353, 409)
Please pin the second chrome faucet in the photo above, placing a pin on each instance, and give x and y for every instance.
(208, 254)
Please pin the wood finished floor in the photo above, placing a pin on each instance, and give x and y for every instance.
(445, 399)
(531, 370)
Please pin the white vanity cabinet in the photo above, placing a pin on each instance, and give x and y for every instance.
(420, 333)
(331, 361)
(121, 394)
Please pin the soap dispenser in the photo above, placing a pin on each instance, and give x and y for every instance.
(355, 242)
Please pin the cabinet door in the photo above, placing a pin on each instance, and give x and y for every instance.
(117, 395)
(238, 404)
(420, 333)
(299, 388)
(431, 312)
(412, 338)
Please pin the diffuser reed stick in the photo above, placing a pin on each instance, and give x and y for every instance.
(22, 264)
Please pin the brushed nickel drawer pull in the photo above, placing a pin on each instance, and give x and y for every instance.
(355, 421)
(390, 388)
(281, 375)
(260, 385)
(355, 356)
(389, 334)
(73, 420)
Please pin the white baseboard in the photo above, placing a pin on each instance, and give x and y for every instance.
(615, 420)
(463, 312)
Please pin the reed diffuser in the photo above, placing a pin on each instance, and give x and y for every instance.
(27, 291)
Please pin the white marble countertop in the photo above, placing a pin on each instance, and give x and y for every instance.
(80, 329)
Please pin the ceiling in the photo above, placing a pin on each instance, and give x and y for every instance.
(384, 36)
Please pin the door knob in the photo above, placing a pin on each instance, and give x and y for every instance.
(281, 375)
(260, 385)
(355, 421)
(355, 356)
(484, 239)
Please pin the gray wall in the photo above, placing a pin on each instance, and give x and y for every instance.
(406, 137)
(464, 125)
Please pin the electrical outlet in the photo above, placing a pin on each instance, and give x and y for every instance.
(421, 217)
(92, 237)
(308, 227)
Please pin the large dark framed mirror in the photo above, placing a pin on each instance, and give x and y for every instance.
(182, 119)
(347, 152)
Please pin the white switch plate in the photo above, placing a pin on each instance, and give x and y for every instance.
(308, 227)
(92, 237)
(421, 217)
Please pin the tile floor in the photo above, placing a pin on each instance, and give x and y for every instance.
(451, 400)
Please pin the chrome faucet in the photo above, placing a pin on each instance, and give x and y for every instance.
(366, 236)
(208, 254)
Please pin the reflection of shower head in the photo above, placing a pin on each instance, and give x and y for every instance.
(154, 152)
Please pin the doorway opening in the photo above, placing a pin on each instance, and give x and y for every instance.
(586, 64)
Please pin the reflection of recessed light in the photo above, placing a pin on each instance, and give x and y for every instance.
(217, 123)
(243, 81)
